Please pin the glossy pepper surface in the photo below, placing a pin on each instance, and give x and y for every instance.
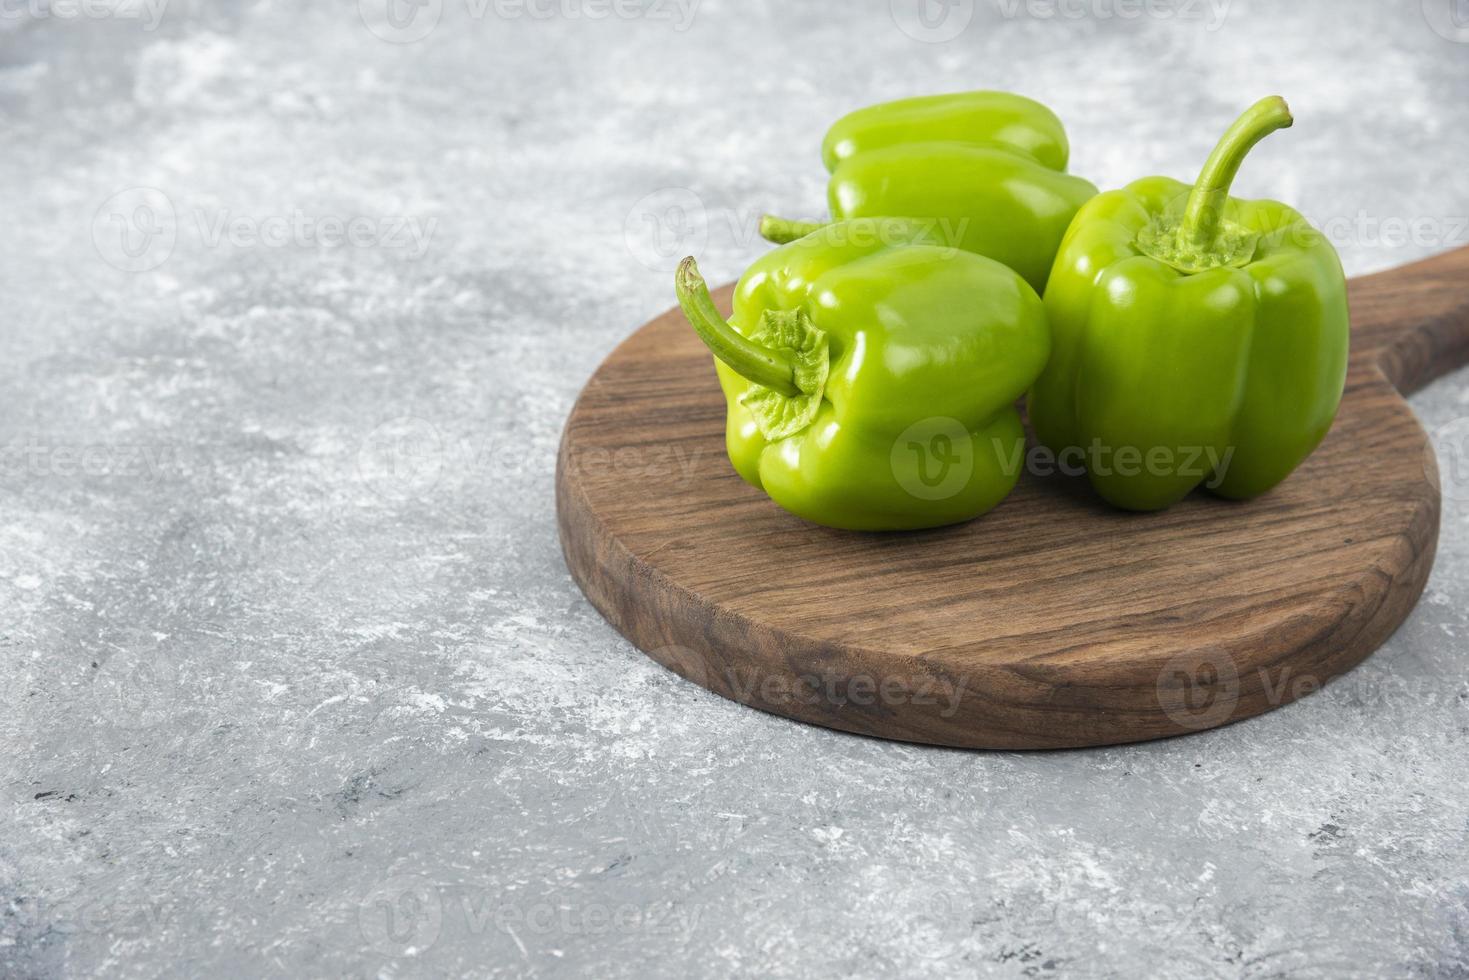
(990, 167)
(1198, 339)
(871, 373)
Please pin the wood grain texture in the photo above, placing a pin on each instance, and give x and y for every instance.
(1053, 621)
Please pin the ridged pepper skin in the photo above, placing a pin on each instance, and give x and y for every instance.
(1183, 357)
(990, 167)
(908, 356)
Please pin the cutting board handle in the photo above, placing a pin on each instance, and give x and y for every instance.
(1413, 322)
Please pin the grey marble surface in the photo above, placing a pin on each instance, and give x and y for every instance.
(293, 681)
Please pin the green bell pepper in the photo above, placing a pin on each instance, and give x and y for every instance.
(991, 166)
(871, 373)
(1199, 339)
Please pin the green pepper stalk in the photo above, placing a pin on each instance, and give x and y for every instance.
(785, 360)
(782, 231)
(1202, 239)
(1205, 209)
(756, 364)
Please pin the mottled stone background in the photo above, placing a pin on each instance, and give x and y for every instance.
(293, 680)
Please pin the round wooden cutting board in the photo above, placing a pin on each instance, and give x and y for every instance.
(1054, 620)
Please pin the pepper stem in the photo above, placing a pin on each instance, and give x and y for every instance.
(1205, 210)
(782, 231)
(755, 363)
